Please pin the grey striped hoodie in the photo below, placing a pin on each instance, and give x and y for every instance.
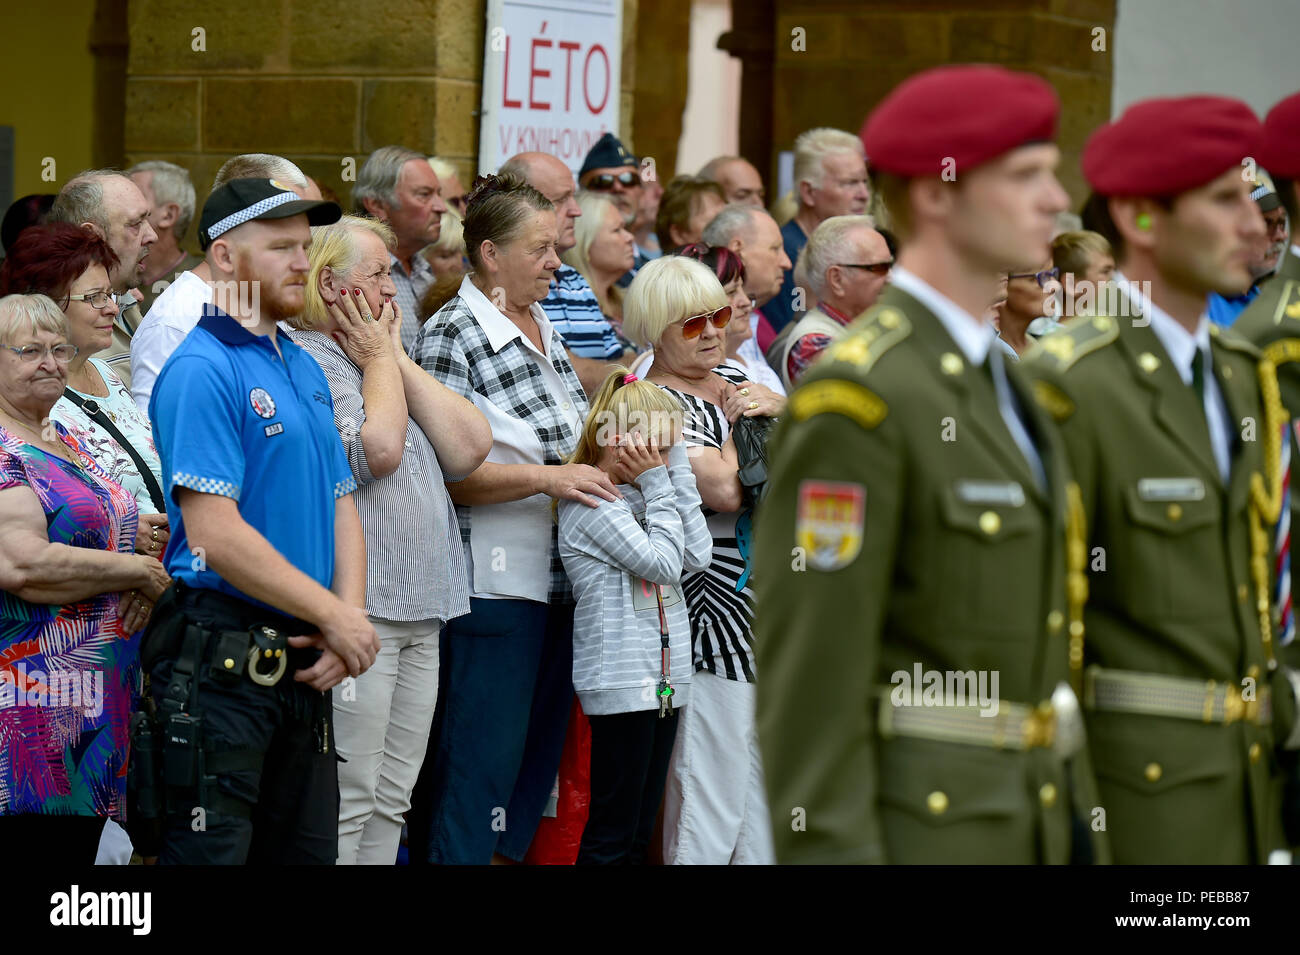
(614, 554)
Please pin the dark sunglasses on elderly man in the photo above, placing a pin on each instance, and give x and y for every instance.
(693, 326)
(605, 181)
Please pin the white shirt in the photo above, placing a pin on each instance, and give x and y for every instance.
(510, 542)
(760, 372)
(974, 337)
(173, 315)
(1181, 347)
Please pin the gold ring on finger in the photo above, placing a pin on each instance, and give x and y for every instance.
(753, 405)
(155, 533)
(745, 392)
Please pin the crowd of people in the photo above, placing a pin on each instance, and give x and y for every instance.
(399, 527)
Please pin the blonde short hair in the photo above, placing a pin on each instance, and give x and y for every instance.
(29, 314)
(814, 145)
(667, 290)
(334, 247)
(451, 238)
(593, 206)
(1073, 252)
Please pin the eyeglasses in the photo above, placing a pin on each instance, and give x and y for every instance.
(605, 181)
(93, 299)
(62, 353)
(1042, 278)
(880, 268)
(693, 326)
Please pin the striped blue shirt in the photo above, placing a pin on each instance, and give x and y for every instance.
(575, 313)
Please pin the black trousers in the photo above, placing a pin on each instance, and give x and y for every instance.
(629, 766)
(293, 800)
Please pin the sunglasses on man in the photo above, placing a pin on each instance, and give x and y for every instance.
(692, 327)
(880, 268)
(1042, 278)
(605, 181)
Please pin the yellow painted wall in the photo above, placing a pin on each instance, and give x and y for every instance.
(46, 88)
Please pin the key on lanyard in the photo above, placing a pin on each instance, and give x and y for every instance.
(665, 689)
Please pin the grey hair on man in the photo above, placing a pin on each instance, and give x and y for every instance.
(378, 177)
(812, 146)
(170, 184)
(830, 244)
(260, 166)
(82, 199)
(735, 218)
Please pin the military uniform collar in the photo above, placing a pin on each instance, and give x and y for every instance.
(973, 336)
(1180, 344)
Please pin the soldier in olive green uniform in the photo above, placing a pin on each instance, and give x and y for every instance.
(1172, 425)
(914, 527)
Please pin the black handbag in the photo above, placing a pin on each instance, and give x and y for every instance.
(97, 415)
(750, 435)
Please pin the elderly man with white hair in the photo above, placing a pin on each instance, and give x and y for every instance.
(398, 186)
(107, 203)
(845, 264)
(830, 179)
(170, 194)
(176, 310)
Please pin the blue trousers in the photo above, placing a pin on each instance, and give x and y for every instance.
(505, 689)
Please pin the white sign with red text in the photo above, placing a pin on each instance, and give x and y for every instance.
(550, 78)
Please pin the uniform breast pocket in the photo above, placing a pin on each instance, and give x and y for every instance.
(991, 558)
(1170, 538)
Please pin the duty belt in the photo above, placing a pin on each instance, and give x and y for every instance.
(1154, 694)
(1054, 724)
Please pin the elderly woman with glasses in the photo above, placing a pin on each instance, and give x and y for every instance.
(404, 433)
(72, 266)
(1030, 296)
(73, 600)
(715, 811)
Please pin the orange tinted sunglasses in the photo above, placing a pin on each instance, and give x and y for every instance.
(693, 326)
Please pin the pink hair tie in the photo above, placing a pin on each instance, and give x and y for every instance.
(628, 379)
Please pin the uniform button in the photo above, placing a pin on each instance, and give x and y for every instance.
(990, 523)
(1055, 620)
(1226, 371)
(230, 664)
(1254, 752)
(937, 803)
(1047, 795)
(1153, 772)
(1175, 512)
(1242, 592)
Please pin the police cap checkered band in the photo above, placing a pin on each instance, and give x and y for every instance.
(243, 200)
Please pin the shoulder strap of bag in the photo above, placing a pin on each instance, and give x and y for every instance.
(97, 415)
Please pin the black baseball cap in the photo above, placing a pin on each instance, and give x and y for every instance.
(243, 200)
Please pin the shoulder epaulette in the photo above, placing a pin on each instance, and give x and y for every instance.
(1288, 303)
(1064, 347)
(1230, 339)
(877, 331)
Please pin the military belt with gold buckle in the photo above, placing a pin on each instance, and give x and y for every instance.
(1154, 694)
(1053, 724)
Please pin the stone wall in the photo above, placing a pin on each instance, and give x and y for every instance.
(321, 82)
(855, 51)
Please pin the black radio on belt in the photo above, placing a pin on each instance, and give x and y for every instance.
(181, 750)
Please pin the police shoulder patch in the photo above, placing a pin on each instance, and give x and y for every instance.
(879, 330)
(1052, 400)
(1078, 338)
(829, 522)
(836, 396)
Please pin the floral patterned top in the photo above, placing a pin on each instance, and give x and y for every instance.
(68, 675)
(128, 418)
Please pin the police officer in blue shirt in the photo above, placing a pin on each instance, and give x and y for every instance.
(267, 553)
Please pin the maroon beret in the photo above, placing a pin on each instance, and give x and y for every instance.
(967, 114)
(1280, 151)
(1161, 147)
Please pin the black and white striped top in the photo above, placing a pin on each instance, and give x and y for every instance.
(720, 600)
(415, 566)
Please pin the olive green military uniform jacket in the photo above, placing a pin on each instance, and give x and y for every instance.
(903, 526)
(1171, 587)
(1272, 323)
